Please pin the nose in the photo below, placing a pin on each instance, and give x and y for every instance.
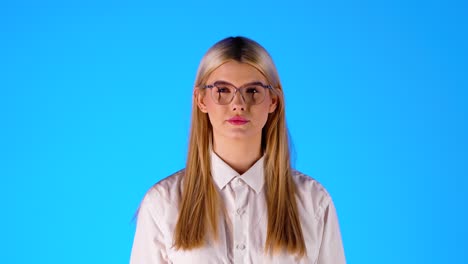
(238, 102)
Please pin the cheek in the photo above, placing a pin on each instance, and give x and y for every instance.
(215, 112)
(263, 114)
(210, 104)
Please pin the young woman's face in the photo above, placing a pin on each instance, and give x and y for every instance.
(238, 119)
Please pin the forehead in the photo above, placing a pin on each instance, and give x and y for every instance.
(237, 73)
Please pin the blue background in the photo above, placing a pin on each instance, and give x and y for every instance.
(95, 101)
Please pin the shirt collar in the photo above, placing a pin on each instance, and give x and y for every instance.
(223, 174)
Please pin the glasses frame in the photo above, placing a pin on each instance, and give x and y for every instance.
(211, 86)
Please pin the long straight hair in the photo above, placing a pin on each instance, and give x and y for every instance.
(200, 202)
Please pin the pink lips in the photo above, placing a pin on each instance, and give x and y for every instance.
(238, 120)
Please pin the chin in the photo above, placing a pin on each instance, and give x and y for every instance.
(240, 135)
(237, 134)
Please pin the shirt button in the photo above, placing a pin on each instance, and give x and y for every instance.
(240, 211)
(240, 246)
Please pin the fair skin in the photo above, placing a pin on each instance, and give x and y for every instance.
(239, 145)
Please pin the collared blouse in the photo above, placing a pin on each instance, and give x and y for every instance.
(242, 233)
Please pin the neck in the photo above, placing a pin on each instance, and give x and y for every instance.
(238, 154)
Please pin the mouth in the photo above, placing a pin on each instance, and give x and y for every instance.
(238, 120)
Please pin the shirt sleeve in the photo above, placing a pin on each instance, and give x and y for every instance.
(148, 245)
(331, 249)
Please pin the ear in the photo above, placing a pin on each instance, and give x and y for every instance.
(273, 104)
(200, 100)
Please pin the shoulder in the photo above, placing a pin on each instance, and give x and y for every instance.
(159, 207)
(307, 183)
(166, 191)
(311, 194)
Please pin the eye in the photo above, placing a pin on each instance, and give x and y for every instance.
(223, 89)
(252, 89)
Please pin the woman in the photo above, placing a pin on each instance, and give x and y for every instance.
(238, 200)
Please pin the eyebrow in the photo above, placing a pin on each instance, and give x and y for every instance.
(249, 83)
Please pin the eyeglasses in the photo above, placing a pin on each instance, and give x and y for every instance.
(252, 93)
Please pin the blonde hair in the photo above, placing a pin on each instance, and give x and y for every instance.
(200, 201)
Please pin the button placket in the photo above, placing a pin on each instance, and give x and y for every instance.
(240, 232)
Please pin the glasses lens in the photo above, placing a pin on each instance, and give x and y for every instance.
(223, 93)
(253, 94)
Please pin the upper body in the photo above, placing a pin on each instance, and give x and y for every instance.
(243, 230)
(238, 199)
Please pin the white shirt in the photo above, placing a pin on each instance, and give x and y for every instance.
(242, 236)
